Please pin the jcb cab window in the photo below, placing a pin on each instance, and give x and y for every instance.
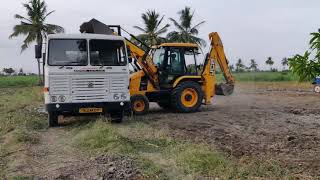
(107, 53)
(68, 52)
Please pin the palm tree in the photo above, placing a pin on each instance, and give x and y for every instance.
(152, 30)
(284, 62)
(253, 65)
(33, 26)
(270, 62)
(239, 66)
(186, 32)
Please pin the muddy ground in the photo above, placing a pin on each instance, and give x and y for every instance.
(258, 120)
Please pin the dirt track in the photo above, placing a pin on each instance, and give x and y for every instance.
(282, 124)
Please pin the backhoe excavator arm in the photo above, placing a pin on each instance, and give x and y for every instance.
(217, 53)
(217, 56)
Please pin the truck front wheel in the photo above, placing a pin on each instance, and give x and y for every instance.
(53, 119)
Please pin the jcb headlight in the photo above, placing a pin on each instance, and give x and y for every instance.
(116, 97)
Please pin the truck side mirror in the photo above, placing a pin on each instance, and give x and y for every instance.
(38, 51)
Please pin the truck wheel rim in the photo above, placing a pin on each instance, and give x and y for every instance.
(317, 89)
(139, 105)
(189, 97)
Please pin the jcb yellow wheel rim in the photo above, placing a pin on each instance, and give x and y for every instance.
(139, 105)
(189, 97)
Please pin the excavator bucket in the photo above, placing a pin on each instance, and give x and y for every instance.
(224, 89)
(96, 27)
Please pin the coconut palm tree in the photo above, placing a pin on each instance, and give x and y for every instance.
(152, 28)
(33, 26)
(186, 32)
(240, 66)
(284, 62)
(253, 65)
(270, 62)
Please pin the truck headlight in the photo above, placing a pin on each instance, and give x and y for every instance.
(116, 97)
(53, 98)
(62, 98)
(123, 96)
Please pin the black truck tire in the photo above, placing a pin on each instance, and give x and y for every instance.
(187, 97)
(53, 119)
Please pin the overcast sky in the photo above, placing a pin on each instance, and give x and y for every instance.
(248, 28)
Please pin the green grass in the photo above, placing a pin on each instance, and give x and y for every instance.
(27, 81)
(18, 81)
(262, 77)
(160, 156)
(19, 120)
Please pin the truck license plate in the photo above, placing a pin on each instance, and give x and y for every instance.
(90, 110)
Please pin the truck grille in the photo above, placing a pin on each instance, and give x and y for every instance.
(94, 88)
(87, 87)
(118, 84)
(59, 85)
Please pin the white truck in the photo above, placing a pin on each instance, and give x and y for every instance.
(86, 74)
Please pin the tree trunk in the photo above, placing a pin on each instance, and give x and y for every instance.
(39, 73)
(39, 42)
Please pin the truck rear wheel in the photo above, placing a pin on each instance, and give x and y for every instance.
(53, 119)
(139, 104)
(187, 97)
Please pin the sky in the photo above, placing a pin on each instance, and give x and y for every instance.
(249, 29)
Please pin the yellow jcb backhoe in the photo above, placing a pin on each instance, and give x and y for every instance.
(169, 74)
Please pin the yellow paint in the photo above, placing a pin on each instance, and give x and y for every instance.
(178, 80)
(139, 106)
(189, 97)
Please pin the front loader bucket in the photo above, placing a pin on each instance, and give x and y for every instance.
(224, 89)
(96, 27)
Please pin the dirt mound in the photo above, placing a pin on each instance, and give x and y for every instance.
(99, 168)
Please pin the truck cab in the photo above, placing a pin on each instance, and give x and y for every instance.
(86, 74)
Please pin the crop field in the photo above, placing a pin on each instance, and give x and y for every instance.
(262, 131)
(22, 81)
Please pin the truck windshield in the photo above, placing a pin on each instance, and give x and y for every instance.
(107, 53)
(67, 52)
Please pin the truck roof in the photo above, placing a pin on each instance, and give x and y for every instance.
(85, 36)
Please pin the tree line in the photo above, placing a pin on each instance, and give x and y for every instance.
(253, 66)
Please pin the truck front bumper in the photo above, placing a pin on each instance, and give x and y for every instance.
(74, 108)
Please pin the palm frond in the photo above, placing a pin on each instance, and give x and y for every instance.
(17, 16)
(48, 14)
(175, 23)
(140, 28)
(52, 28)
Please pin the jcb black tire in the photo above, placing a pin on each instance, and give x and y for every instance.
(53, 119)
(139, 104)
(187, 97)
(164, 105)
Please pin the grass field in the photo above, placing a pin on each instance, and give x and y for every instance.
(19, 81)
(27, 81)
(156, 153)
(262, 76)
